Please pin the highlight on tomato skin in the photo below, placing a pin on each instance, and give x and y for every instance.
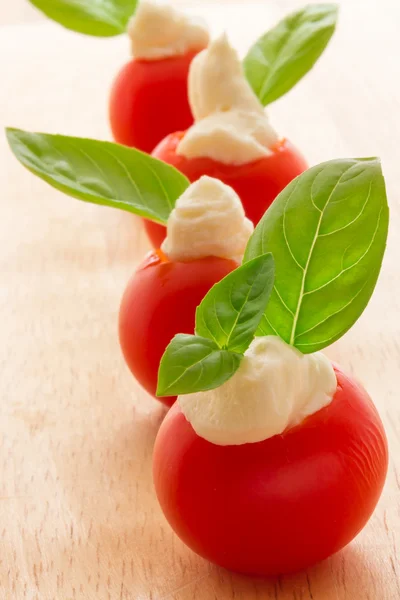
(149, 100)
(160, 301)
(280, 505)
(257, 183)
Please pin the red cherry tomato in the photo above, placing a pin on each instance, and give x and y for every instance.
(155, 232)
(149, 100)
(280, 505)
(159, 302)
(257, 183)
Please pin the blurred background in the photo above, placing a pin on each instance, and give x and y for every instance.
(20, 11)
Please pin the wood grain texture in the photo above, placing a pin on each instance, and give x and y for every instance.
(78, 516)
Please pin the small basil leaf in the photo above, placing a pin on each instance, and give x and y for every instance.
(232, 310)
(194, 364)
(92, 17)
(327, 231)
(282, 56)
(101, 172)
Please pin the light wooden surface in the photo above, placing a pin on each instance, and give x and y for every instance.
(78, 516)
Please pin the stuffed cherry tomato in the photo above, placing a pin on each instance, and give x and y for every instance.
(279, 505)
(159, 302)
(207, 235)
(149, 96)
(231, 139)
(272, 458)
(257, 183)
(149, 100)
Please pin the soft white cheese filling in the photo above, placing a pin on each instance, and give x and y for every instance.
(275, 388)
(208, 220)
(160, 31)
(231, 125)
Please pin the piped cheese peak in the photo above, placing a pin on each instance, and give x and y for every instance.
(208, 220)
(231, 125)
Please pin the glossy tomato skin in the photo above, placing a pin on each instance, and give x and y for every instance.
(280, 505)
(149, 100)
(257, 183)
(160, 301)
(155, 232)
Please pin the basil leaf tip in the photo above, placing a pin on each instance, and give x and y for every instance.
(192, 363)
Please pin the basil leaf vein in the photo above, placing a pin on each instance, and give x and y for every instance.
(101, 172)
(192, 363)
(231, 311)
(327, 231)
(283, 55)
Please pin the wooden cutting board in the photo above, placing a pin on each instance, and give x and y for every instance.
(78, 515)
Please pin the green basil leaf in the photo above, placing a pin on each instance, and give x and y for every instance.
(232, 310)
(282, 56)
(101, 172)
(194, 364)
(102, 18)
(327, 232)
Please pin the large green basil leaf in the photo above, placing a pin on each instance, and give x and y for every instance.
(101, 172)
(327, 232)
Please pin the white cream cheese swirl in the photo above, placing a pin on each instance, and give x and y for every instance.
(208, 220)
(231, 125)
(160, 31)
(275, 388)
